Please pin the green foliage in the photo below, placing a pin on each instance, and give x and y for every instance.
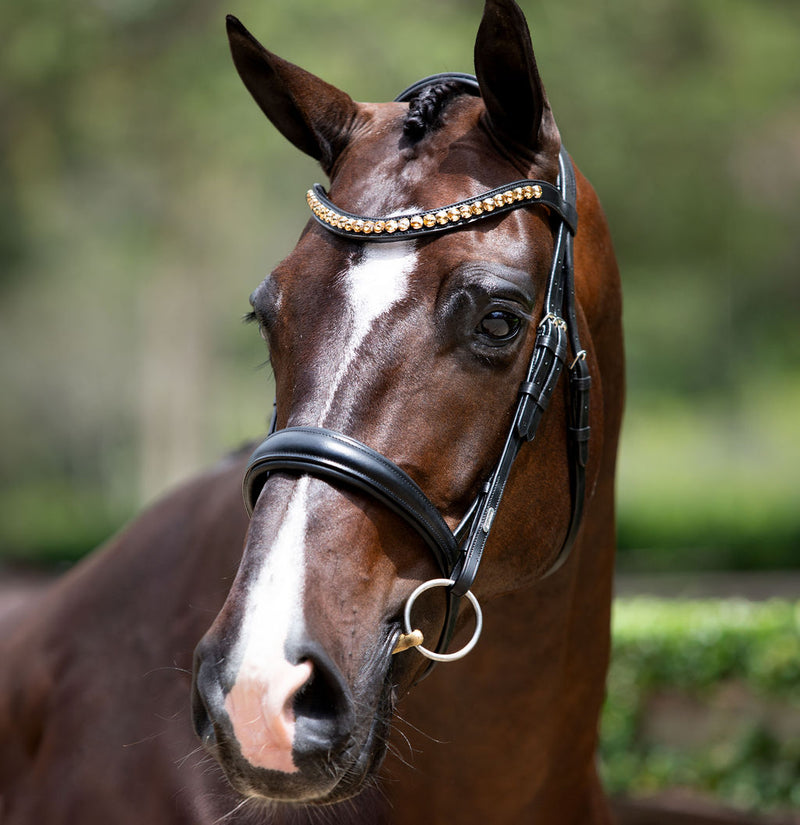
(49, 523)
(728, 673)
(712, 485)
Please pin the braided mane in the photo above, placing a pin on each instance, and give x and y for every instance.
(426, 109)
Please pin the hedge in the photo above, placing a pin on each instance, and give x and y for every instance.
(705, 695)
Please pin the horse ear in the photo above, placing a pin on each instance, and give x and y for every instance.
(517, 110)
(312, 114)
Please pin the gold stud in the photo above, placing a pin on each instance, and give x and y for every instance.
(448, 215)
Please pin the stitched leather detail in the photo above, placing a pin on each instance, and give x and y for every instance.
(326, 453)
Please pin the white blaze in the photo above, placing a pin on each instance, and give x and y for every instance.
(260, 702)
(377, 282)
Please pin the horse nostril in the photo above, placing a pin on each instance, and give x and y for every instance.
(205, 690)
(201, 721)
(317, 699)
(323, 708)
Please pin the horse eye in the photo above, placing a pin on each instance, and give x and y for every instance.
(499, 326)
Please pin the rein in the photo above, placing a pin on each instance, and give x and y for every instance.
(333, 455)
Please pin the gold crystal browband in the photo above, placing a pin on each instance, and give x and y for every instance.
(425, 222)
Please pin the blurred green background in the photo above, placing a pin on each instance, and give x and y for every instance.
(143, 195)
(703, 703)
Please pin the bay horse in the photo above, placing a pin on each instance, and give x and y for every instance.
(454, 293)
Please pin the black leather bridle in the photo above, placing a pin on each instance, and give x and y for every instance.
(332, 455)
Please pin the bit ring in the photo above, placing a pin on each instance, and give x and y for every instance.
(458, 654)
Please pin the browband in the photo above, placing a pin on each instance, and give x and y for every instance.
(428, 221)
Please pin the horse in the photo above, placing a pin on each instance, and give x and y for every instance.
(410, 619)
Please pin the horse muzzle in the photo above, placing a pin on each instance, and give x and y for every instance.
(291, 735)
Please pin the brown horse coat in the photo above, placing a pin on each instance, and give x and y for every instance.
(94, 691)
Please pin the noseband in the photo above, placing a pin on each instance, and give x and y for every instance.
(332, 455)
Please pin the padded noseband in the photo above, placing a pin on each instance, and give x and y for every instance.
(339, 457)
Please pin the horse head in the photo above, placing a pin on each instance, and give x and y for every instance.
(416, 348)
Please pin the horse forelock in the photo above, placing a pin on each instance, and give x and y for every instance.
(426, 109)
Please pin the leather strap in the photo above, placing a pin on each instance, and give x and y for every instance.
(580, 382)
(535, 392)
(424, 222)
(328, 454)
(468, 81)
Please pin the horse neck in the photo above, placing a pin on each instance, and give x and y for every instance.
(525, 702)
